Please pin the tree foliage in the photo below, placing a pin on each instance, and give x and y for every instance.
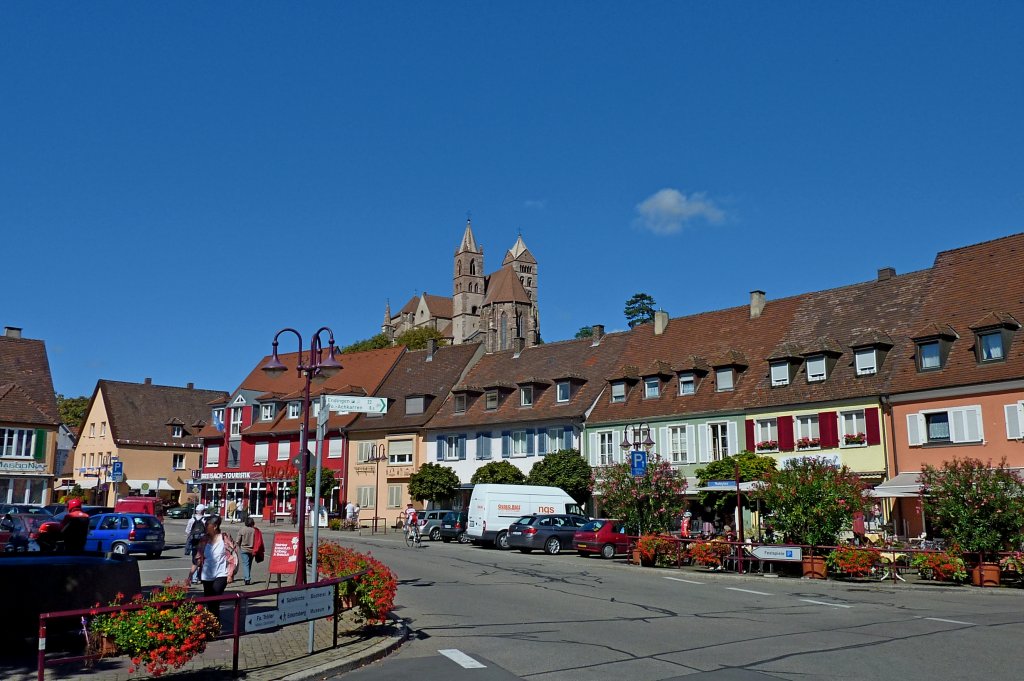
(416, 339)
(975, 506)
(811, 501)
(646, 504)
(752, 467)
(585, 332)
(327, 481)
(567, 469)
(639, 309)
(499, 473)
(433, 482)
(72, 409)
(373, 343)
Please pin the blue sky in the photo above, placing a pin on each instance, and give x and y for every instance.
(178, 181)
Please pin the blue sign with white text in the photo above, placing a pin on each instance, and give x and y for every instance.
(117, 468)
(638, 463)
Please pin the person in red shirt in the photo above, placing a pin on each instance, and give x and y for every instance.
(74, 528)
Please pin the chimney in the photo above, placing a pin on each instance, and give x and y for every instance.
(660, 322)
(12, 331)
(597, 333)
(756, 304)
(431, 349)
(518, 344)
(886, 273)
(190, 386)
(148, 381)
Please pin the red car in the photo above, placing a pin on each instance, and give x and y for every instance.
(604, 537)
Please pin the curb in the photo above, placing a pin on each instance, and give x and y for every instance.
(372, 654)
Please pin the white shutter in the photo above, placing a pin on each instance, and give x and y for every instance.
(704, 452)
(664, 445)
(262, 451)
(958, 425)
(975, 428)
(734, 440)
(1014, 421)
(691, 444)
(213, 456)
(283, 450)
(334, 448)
(915, 429)
(592, 449)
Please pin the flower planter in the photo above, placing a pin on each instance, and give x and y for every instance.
(986, 574)
(814, 567)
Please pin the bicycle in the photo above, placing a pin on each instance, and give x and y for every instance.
(412, 538)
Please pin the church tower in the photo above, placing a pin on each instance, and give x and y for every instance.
(524, 265)
(468, 287)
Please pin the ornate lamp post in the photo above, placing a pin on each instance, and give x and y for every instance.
(634, 438)
(378, 453)
(312, 366)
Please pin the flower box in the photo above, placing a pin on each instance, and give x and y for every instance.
(940, 565)
(808, 443)
(858, 439)
(854, 561)
(709, 553)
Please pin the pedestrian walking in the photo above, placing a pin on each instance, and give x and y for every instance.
(350, 515)
(355, 517)
(243, 511)
(218, 561)
(195, 530)
(247, 547)
(232, 510)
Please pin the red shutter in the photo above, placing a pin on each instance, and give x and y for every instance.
(828, 429)
(786, 433)
(750, 435)
(874, 433)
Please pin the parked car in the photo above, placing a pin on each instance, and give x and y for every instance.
(56, 508)
(184, 511)
(23, 508)
(126, 533)
(430, 522)
(20, 531)
(550, 532)
(88, 510)
(601, 536)
(453, 526)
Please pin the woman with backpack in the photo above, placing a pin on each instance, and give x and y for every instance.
(195, 530)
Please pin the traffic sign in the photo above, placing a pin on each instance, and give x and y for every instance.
(117, 468)
(780, 553)
(638, 463)
(348, 403)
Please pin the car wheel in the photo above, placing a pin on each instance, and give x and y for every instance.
(463, 539)
(607, 551)
(525, 550)
(446, 540)
(435, 534)
(552, 546)
(501, 541)
(120, 549)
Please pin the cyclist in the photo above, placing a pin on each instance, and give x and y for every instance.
(412, 523)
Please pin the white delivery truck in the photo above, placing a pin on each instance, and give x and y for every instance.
(492, 508)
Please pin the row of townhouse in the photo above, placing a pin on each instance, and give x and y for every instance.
(883, 376)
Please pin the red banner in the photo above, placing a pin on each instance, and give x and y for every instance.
(284, 555)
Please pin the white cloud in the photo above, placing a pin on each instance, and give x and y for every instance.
(668, 210)
(536, 204)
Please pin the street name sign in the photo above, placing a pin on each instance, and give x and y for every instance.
(779, 553)
(294, 606)
(638, 463)
(348, 403)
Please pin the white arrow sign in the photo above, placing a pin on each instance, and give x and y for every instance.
(365, 405)
(784, 553)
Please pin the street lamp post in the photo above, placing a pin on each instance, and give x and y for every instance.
(634, 438)
(378, 453)
(314, 365)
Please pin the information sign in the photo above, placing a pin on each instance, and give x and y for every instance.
(284, 553)
(638, 463)
(778, 553)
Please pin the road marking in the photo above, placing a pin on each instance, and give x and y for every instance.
(939, 619)
(688, 581)
(749, 591)
(162, 569)
(834, 605)
(461, 659)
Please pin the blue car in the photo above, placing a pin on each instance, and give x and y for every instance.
(125, 533)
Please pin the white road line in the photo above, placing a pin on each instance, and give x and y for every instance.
(749, 591)
(462, 659)
(939, 619)
(834, 605)
(688, 581)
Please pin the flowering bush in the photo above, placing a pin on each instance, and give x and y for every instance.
(767, 446)
(709, 553)
(1014, 562)
(941, 565)
(808, 443)
(812, 501)
(165, 634)
(654, 547)
(857, 561)
(974, 505)
(373, 592)
(858, 439)
(646, 503)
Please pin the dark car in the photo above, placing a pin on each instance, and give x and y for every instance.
(603, 537)
(23, 509)
(430, 522)
(56, 508)
(548, 532)
(184, 511)
(88, 510)
(453, 526)
(20, 531)
(125, 533)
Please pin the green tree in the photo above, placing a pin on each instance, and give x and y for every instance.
(72, 409)
(433, 482)
(752, 467)
(327, 482)
(373, 343)
(639, 309)
(646, 503)
(416, 339)
(567, 469)
(500, 473)
(585, 332)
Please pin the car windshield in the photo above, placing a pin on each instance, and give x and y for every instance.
(144, 521)
(34, 520)
(592, 526)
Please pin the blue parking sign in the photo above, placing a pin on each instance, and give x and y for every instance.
(117, 468)
(638, 463)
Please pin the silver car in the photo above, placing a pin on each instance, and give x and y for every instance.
(430, 522)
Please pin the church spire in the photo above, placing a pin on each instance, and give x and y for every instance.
(468, 241)
(518, 247)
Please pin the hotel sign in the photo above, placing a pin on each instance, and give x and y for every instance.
(229, 476)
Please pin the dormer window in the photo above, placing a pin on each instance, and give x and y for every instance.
(990, 346)
(687, 383)
(414, 404)
(780, 373)
(562, 391)
(491, 400)
(866, 360)
(815, 368)
(266, 412)
(526, 396)
(724, 379)
(460, 404)
(652, 387)
(294, 409)
(929, 355)
(619, 391)
(176, 431)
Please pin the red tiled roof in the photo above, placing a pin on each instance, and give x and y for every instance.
(438, 306)
(143, 413)
(504, 286)
(23, 362)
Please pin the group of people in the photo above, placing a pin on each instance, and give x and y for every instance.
(216, 554)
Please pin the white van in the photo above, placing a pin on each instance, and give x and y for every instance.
(492, 508)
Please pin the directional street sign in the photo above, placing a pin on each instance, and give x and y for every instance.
(365, 405)
(782, 553)
(638, 463)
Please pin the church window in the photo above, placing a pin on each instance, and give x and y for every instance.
(458, 267)
(474, 309)
(472, 266)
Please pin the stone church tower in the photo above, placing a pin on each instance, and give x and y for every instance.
(469, 287)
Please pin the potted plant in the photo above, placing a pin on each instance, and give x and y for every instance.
(977, 507)
(165, 633)
(855, 561)
(946, 566)
(373, 593)
(710, 553)
(767, 446)
(808, 443)
(812, 502)
(858, 439)
(653, 548)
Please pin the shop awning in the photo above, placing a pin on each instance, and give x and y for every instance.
(903, 485)
(151, 485)
(87, 483)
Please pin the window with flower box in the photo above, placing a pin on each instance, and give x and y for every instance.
(807, 434)
(766, 435)
(853, 429)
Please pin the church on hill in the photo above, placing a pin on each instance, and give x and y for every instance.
(498, 309)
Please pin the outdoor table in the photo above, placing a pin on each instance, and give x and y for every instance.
(891, 569)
